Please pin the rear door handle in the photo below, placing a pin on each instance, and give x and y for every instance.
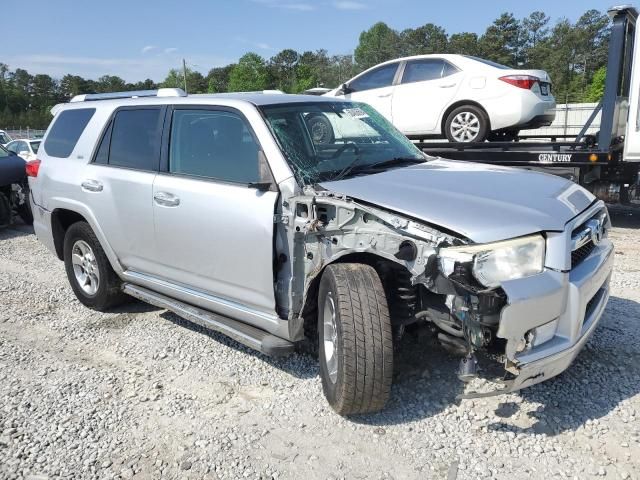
(384, 95)
(92, 185)
(448, 85)
(166, 199)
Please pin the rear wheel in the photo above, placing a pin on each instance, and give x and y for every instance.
(355, 339)
(90, 274)
(466, 123)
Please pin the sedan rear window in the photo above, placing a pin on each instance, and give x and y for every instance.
(488, 62)
(66, 131)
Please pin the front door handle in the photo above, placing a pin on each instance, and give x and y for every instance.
(92, 185)
(384, 95)
(448, 85)
(166, 199)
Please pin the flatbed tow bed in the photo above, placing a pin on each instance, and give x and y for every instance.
(599, 162)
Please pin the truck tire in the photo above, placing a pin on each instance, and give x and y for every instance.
(466, 124)
(90, 274)
(355, 339)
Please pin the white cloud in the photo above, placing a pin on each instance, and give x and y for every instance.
(132, 69)
(170, 50)
(349, 5)
(259, 45)
(302, 7)
(148, 48)
(287, 5)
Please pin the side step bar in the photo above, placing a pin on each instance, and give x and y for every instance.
(241, 332)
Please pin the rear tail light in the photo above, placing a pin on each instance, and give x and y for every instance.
(521, 81)
(32, 168)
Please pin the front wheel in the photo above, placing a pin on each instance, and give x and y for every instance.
(355, 339)
(466, 124)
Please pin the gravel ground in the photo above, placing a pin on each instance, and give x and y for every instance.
(140, 393)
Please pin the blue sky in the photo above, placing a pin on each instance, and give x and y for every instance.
(136, 39)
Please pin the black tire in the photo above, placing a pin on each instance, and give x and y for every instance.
(364, 340)
(477, 113)
(24, 210)
(321, 129)
(108, 293)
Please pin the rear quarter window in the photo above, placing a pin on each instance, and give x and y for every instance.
(66, 131)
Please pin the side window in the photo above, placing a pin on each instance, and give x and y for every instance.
(102, 155)
(22, 147)
(66, 130)
(213, 144)
(135, 139)
(378, 78)
(449, 69)
(13, 147)
(423, 70)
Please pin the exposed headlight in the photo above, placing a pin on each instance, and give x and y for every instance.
(494, 263)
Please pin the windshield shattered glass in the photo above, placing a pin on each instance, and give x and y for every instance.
(332, 140)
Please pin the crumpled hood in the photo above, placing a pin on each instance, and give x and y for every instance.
(484, 203)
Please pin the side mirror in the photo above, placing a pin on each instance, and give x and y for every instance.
(344, 89)
(266, 182)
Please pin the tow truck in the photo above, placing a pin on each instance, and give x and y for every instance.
(607, 162)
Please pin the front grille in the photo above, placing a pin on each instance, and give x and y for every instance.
(577, 256)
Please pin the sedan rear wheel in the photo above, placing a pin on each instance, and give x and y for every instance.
(466, 124)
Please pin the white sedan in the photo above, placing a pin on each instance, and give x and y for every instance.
(460, 97)
(27, 149)
(5, 138)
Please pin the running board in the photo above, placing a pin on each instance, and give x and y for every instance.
(241, 332)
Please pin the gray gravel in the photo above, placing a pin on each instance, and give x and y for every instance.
(139, 393)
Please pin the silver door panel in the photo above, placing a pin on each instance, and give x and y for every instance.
(121, 199)
(218, 239)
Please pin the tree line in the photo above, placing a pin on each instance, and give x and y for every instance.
(574, 55)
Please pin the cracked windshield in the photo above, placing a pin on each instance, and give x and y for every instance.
(331, 141)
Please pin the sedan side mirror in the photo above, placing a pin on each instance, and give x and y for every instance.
(344, 89)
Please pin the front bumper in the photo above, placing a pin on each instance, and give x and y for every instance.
(568, 305)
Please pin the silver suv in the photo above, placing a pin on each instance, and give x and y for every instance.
(279, 219)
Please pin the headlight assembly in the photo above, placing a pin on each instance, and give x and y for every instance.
(493, 263)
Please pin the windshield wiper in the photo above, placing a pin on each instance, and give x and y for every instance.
(396, 161)
(376, 167)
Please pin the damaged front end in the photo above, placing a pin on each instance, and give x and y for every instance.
(430, 274)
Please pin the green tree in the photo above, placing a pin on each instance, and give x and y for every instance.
(378, 44)
(283, 69)
(249, 74)
(110, 83)
(502, 41)
(464, 43)
(218, 79)
(592, 32)
(423, 40)
(596, 88)
(196, 83)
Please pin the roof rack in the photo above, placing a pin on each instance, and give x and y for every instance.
(161, 92)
